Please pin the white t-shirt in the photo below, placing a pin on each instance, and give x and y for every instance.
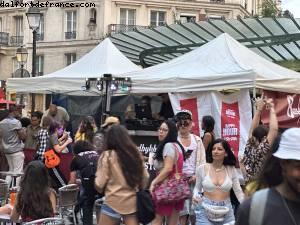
(189, 165)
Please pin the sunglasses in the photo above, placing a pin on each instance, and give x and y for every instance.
(184, 123)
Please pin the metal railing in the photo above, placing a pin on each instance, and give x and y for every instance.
(4, 38)
(70, 35)
(16, 40)
(120, 28)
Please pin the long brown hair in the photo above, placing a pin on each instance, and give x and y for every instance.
(33, 197)
(129, 157)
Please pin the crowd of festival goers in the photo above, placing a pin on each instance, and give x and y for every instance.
(107, 164)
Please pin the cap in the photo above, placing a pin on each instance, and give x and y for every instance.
(288, 148)
(184, 114)
(110, 120)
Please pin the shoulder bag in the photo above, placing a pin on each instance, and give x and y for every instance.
(174, 189)
(145, 206)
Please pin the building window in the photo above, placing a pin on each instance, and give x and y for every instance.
(187, 18)
(19, 26)
(157, 18)
(39, 65)
(1, 28)
(127, 16)
(40, 31)
(71, 17)
(70, 58)
(93, 16)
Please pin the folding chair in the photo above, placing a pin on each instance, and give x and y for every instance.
(67, 198)
(47, 221)
(4, 192)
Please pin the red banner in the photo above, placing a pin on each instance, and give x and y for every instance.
(2, 95)
(230, 125)
(191, 104)
(287, 108)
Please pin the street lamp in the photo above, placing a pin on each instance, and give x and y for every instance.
(34, 18)
(22, 55)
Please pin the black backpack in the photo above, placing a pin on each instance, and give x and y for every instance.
(88, 172)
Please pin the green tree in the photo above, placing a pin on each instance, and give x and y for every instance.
(269, 8)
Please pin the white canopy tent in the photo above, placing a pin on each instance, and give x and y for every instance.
(223, 63)
(103, 59)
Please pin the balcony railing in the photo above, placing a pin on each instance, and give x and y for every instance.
(120, 28)
(70, 35)
(16, 40)
(40, 37)
(4, 38)
(218, 1)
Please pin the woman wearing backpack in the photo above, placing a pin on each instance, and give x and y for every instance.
(85, 162)
(120, 173)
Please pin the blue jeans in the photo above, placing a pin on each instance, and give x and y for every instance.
(105, 209)
(201, 218)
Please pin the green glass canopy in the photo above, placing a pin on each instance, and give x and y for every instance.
(276, 39)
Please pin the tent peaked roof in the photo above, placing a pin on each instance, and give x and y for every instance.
(222, 63)
(103, 59)
(209, 67)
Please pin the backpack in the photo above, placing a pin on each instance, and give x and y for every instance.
(88, 172)
(51, 159)
(257, 207)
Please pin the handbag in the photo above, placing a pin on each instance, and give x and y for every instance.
(175, 189)
(145, 207)
(51, 159)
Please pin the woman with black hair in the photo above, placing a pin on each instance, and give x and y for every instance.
(120, 173)
(260, 140)
(208, 125)
(216, 178)
(35, 200)
(85, 163)
(169, 155)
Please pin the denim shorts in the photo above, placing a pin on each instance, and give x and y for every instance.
(201, 218)
(105, 209)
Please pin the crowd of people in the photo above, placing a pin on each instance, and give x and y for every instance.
(262, 187)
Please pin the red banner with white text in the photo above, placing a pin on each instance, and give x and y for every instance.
(191, 104)
(230, 125)
(232, 114)
(287, 108)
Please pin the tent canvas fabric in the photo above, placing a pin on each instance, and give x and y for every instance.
(103, 59)
(223, 63)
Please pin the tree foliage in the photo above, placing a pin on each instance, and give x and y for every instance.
(269, 8)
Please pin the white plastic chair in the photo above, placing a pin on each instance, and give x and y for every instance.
(67, 198)
(47, 221)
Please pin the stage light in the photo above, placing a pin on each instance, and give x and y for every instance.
(113, 86)
(87, 83)
(99, 85)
